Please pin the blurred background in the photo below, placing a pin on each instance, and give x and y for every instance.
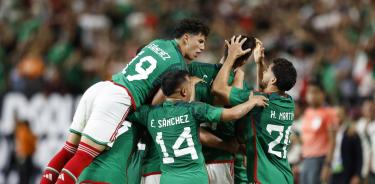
(52, 50)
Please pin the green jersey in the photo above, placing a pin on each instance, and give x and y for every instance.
(267, 132)
(143, 74)
(151, 161)
(240, 174)
(174, 129)
(208, 73)
(225, 131)
(111, 165)
(135, 165)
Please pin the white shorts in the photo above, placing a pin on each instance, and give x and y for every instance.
(101, 111)
(151, 179)
(220, 173)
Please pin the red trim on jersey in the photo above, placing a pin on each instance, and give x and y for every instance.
(131, 96)
(113, 137)
(93, 182)
(255, 150)
(220, 162)
(151, 173)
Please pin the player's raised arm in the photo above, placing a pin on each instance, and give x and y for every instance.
(239, 78)
(220, 85)
(259, 60)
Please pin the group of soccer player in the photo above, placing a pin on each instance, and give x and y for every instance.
(174, 106)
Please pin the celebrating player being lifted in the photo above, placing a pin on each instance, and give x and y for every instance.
(220, 160)
(266, 130)
(105, 105)
(174, 125)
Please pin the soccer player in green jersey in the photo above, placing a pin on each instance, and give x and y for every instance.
(219, 161)
(105, 105)
(267, 130)
(174, 125)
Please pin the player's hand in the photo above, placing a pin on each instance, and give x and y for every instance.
(258, 100)
(258, 52)
(235, 47)
(195, 80)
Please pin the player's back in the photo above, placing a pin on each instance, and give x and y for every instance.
(175, 131)
(144, 72)
(173, 127)
(270, 131)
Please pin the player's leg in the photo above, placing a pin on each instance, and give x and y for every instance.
(220, 173)
(109, 109)
(69, 149)
(151, 179)
(240, 174)
(60, 159)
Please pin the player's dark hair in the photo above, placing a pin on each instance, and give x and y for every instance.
(285, 74)
(171, 81)
(249, 43)
(140, 48)
(191, 26)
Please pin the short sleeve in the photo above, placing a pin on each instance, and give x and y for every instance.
(140, 116)
(206, 113)
(238, 96)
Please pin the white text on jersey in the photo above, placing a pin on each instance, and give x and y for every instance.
(155, 48)
(170, 121)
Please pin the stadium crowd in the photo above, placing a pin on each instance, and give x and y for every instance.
(66, 46)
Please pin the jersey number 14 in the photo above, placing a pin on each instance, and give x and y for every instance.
(185, 135)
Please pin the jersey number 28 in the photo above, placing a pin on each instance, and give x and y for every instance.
(185, 135)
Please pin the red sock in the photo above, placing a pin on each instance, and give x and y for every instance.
(84, 156)
(57, 163)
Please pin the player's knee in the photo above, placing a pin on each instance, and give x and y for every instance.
(93, 144)
(74, 138)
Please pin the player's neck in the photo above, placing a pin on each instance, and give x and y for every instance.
(271, 89)
(178, 41)
(173, 98)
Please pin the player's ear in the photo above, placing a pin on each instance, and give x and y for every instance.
(273, 80)
(185, 38)
(183, 92)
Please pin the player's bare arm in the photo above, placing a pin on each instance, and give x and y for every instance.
(260, 62)
(220, 86)
(210, 140)
(239, 77)
(240, 110)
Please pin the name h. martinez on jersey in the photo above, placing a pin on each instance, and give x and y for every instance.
(155, 48)
(161, 123)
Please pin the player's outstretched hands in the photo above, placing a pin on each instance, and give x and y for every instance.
(258, 100)
(258, 52)
(235, 47)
